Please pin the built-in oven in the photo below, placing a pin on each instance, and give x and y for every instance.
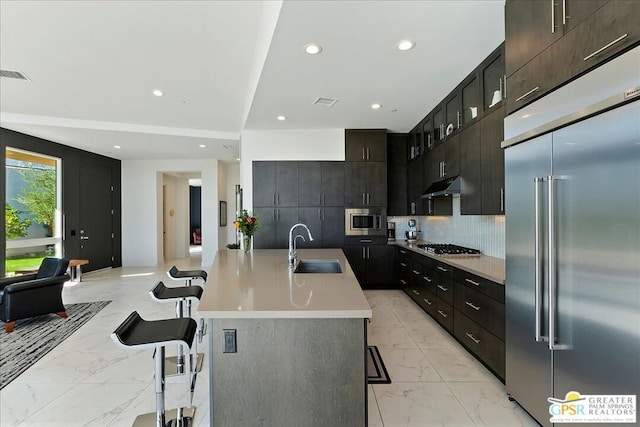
(365, 222)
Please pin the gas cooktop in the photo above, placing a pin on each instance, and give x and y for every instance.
(448, 249)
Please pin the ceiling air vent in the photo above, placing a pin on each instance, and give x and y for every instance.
(325, 102)
(14, 75)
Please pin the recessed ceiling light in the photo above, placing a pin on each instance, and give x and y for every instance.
(405, 45)
(237, 160)
(313, 49)
(203, 146)
(281, 118)
(376, 106)
(158, 92)
(116, 146)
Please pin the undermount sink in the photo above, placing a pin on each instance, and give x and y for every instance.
(318, 266)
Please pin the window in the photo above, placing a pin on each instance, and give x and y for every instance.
(32, 209)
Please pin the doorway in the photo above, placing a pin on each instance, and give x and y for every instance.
(177, 234)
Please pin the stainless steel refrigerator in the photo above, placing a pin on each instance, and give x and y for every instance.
(572, 164)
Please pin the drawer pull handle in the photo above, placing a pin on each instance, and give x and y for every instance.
(427, 301)
(403, 264)
(443, 314)
(442, 268)
(426, 278)
(403, 282)
(475, 340)
(415, 292)
(605, 47)
(442, 288)
(403, 252)
(470, 304)
(472, 282)
(416, 272)
(528, 93)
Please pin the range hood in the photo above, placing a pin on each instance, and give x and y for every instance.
(442, 188)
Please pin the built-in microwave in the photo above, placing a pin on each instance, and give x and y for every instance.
(365, 222)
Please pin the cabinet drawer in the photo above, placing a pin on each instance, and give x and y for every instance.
(483, 310)
(415, 292)
(480, 342)
(444, 282)
(480, 284)
(444, 314)
(428, 303)
(428, 280)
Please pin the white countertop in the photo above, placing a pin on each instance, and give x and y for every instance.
(259, 284)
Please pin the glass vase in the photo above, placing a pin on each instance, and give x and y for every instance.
(246, 242)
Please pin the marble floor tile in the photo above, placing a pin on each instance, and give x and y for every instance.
(428, 336)
(488, 405)
(457, 365)
(408, 365)
(20, 401)
(374, 419)
(383, 316)
(391, 337)
(420, 405)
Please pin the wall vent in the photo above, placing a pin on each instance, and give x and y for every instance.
(325, 102)
(14, 75)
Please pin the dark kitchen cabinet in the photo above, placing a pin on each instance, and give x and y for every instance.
(470, 100)
(471, 175)
(438, 125)
(264, 184)
(451, 166)
(493, 80)
(365, 184)
(312, 218)
(275, 184)
(275, 223)
(372, 261)
(416, 146)
(397, 188)
(403, 260)
(415, 186)
(530, 27)
(578, 37)
(453, 118)
(365, 145)
(321, 183)
(427, 134)
(326, 225)
(492, 160)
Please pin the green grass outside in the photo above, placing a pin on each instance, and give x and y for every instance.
(12, 265)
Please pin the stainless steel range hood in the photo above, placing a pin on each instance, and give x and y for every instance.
(445, 187)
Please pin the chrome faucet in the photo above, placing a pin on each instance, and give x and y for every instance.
(292, 249)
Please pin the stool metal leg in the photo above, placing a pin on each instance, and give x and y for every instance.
(180, 358)
(159, 383)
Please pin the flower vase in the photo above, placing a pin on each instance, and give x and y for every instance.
(246, 242)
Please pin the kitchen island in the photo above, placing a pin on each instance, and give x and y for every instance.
(300, 341)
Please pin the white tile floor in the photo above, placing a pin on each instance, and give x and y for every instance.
(89, 381)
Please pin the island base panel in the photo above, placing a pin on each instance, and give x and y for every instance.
(291, 372)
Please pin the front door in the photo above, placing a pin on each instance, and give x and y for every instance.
(96, 216)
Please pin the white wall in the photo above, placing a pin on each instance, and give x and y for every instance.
(142, 208)
(233, 179)
(222, 194)
(293, 144)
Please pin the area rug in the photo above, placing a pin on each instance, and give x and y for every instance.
(376, 371)
(32, 338)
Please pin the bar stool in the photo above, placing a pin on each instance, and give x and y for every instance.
(137, 333)
(174, 365)
(188, 276)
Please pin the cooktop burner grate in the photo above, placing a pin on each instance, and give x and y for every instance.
(448, 249)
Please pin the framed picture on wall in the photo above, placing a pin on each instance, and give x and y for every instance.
(223, 213)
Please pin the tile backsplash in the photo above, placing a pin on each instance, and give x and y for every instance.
(484, 232)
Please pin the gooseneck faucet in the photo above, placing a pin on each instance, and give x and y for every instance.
(292, 250)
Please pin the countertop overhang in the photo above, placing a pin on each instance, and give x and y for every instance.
(488, 267)
(260, 284)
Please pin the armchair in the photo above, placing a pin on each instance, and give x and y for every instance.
(35, 294)
(197, 238)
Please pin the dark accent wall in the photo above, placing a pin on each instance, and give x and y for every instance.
(72, 158)
(195, 204)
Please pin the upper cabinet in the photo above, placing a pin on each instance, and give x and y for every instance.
(366, 145)
(275, 184)
(549, 43)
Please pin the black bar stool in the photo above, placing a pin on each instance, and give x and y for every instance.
(137, 333)
(188, 276)
(174, 365)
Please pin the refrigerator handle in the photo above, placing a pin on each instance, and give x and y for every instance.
(551, 259)
(537, 182)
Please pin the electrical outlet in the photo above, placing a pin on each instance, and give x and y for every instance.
(230, 345)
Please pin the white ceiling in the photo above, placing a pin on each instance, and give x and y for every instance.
(225, 66)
